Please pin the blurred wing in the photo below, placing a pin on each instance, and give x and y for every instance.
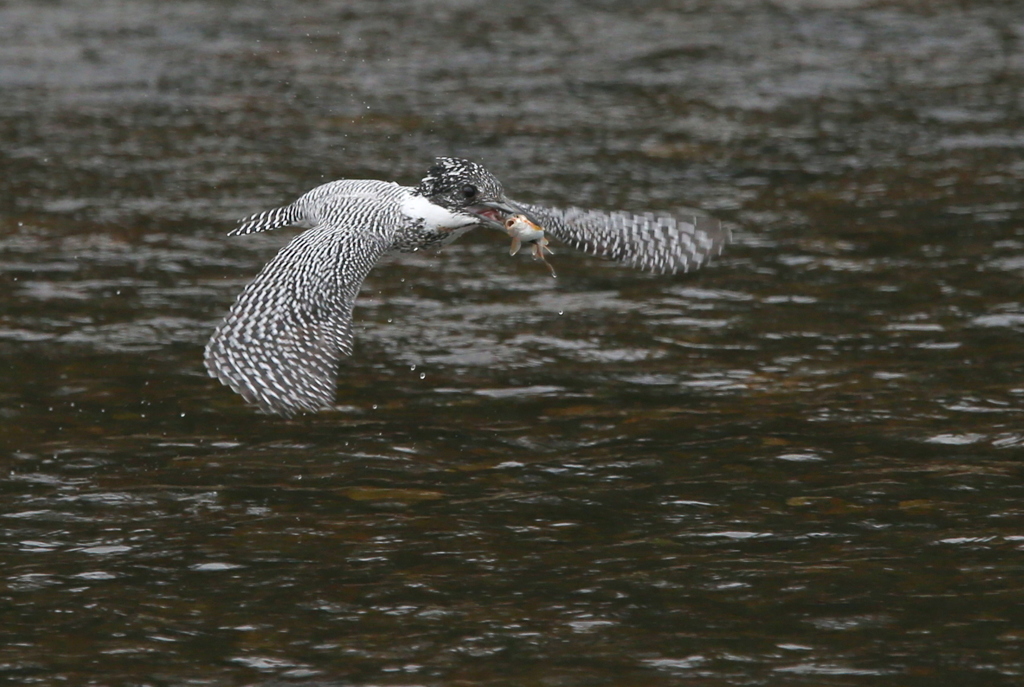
(659, 243)
(289, 215)
(280, 344)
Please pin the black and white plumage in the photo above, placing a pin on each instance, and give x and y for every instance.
(280, 344)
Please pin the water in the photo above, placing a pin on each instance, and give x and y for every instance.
(800, 466)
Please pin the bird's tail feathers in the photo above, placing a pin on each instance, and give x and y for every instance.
(271, 219)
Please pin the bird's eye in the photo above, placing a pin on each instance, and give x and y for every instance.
(469, 191)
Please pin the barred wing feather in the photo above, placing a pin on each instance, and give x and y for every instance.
(280, 344)
(657, 243)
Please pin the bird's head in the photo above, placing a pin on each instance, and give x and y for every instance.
(463, 186)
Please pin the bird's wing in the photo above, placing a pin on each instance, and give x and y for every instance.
(659, 243)
(279, 346)
(289, 215)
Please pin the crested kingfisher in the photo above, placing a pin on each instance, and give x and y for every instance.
(280, 344)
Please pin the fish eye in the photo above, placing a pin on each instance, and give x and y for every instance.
(469, 191)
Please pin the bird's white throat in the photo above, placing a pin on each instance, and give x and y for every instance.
(434, 217)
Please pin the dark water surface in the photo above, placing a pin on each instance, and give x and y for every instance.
(801, 466)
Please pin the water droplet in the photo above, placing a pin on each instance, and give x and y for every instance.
(561, 312)
(412, 368)
(423, 375)
(374, 406)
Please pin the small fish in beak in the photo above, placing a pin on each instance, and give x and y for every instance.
(522, 231)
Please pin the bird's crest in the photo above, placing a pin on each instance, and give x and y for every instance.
(456, 183)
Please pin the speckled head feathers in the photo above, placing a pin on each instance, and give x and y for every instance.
(455, 183)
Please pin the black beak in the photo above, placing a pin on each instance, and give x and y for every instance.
(509, 208)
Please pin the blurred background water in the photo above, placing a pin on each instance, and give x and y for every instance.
(799, 466)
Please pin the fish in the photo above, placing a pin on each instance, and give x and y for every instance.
(523, 231)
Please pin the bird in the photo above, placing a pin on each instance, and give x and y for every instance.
(281, 342)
